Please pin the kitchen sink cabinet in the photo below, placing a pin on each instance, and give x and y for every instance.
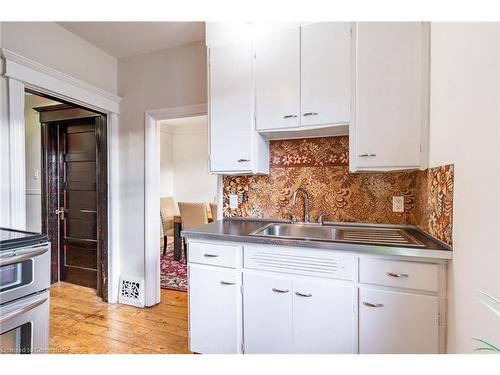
(267, 302)
(323, 317)
(258, 298)
(284, 314)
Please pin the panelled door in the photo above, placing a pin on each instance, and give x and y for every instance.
(75, 194)
(78, 250)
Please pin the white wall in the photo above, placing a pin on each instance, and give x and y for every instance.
(464, 130)
(188, 167)
(33, 152)
(54, 46)
(174, 77)
(166, 165)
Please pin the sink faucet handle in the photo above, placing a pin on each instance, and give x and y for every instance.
(322, 217)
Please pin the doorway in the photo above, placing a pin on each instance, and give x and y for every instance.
(74, 193)
(187, 192)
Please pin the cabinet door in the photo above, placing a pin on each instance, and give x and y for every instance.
(267, 314)
(391, 95)
(214, 310)
(325, 73)
(231, 107)
(323, 317)
(277, 79)
(393, 322)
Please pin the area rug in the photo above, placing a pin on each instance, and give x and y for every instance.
(173, 274)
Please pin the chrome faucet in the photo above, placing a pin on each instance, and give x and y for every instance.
(305, 195)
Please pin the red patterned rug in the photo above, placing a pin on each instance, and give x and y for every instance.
(173, 274)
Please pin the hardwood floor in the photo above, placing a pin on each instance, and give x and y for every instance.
(81, 323)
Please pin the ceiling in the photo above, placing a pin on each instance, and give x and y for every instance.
(125, 39)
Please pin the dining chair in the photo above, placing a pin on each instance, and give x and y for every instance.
(192, 215)
(213, 211)
(168, 209)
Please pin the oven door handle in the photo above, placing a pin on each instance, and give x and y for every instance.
(22, 310)
(19, 258)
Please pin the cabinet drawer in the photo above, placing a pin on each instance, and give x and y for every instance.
(411, 275)
(308, 262)
(213, 254)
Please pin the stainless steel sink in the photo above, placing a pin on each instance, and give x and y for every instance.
(332, 233)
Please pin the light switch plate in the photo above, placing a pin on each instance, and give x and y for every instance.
(398, 204)
(233, 201)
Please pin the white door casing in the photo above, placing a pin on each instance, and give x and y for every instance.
(23, 73)
(152, 192)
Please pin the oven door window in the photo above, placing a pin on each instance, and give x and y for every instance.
(16, 275)
(17, 340)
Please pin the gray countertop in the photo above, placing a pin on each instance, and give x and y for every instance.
(238, 230)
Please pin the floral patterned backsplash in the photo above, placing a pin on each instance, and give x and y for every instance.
(321, 167)
(433, 211)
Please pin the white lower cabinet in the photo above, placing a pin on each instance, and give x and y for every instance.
(323, 317)
(267, 311)
(214, 309)
(283, 314)
(395, 322)
(275, 299)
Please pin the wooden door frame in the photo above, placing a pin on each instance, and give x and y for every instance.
(50, 116)
(23, 73)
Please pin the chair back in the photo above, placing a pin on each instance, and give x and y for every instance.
(168, 207)
(213, 211)
(193, 214)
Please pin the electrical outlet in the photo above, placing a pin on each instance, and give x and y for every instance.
(233, 201)
(398, 204)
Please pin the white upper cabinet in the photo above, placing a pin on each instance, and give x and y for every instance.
(277, 79)
(325, 73)
(392, 75)
(235, 146)
(303, 77)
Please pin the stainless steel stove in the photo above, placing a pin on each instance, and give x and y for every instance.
(24, 295)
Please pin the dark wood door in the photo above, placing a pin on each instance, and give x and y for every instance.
(74, 195)
(78, 177)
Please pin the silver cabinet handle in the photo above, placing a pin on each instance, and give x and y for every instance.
(226, 283)
(310, 114)
(289, 116)
(366, 155)
(19, 258)
(303, 294)
(373, 304)
(275, 290)
(210, 255)
(392, 274)
(243, 160)
(22, 310)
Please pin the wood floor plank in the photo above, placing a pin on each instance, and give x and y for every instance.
(81, 323)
